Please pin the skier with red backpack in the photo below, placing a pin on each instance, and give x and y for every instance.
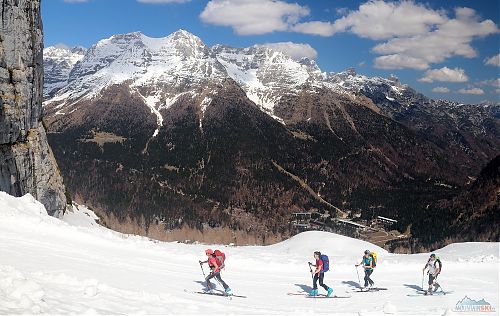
(215, 260)
(322, 265)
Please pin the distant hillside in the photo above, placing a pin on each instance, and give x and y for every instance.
(472, 215)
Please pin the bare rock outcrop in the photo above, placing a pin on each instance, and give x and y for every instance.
(27, 164)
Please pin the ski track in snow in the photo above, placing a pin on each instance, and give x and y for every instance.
(50, 266)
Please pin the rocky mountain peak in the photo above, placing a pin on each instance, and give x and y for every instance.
(58, 62)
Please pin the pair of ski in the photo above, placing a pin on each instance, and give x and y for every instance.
(425, 293)
(305, 294)
(371, 289)
(230, 296)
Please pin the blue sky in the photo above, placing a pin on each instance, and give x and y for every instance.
(445, 49)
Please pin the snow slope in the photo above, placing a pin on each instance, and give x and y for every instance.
(50, 266)
(266, 74)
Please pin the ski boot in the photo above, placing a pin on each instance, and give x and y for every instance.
(209, 290)
(313, 293)
(436, 286)
(228, 292)
(330, 291)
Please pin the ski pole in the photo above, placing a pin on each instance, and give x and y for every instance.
(439, 286)
(202, 270)
(442, 290)
(359, 281)
(423, 280)
(201, 267)
(312, 277)
(204, 276)
(311, 271)
(218, 281)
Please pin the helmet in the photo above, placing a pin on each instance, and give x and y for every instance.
(209, 251)
(367, 252)
(433, 255)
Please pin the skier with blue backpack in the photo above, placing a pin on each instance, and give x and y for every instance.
(322, 265)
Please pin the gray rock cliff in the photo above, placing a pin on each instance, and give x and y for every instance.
(27, 164)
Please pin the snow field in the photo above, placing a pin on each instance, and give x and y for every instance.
(50, 266)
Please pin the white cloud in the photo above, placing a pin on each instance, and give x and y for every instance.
(475, 91)
(493, 61)
(492, 82)
(444, 74)
(381, 20)
(294, 50)
(399, 62)
(415, 35)
(315, 28)
(441, 90)
(162, 1)
(448, 39)
(251, 17)
(342, 11)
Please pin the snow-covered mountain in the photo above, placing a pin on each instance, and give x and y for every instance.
(238, 137)
(159, 70)
(58, 61)
(353, 82)
(162, 70)
(48, 266)
(267, 75)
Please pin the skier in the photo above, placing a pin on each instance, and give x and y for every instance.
(319, 274)
(215, 266)
(367, 263)
(433, 267)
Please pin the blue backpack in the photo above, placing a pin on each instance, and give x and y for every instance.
(326, 263)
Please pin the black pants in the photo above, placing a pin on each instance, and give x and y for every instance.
(320, 278)
(368, 272)
(215, 275)
(432, 280)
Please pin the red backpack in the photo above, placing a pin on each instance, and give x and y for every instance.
(220, 257)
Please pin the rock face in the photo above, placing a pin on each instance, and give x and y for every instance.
(27, 164)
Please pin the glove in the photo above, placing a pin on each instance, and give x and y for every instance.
(310, 263)
(200, 262)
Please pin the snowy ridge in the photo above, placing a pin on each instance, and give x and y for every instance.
(58, 61)
(266, 75)
(349, 80)
(80, 215)
(161, 70)
(49, 266)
